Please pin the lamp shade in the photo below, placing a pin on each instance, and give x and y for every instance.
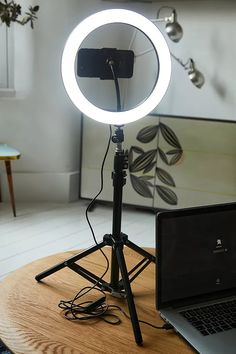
(195, 75)
(76, 38)
(173, 28)
(174, 31)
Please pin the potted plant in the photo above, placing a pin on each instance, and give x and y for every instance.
(10, 11)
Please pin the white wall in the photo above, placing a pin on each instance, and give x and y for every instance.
(42, 122)
(209, 38)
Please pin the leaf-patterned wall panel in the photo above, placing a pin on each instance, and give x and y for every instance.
(149, 160)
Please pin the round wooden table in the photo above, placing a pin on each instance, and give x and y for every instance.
(31, 322)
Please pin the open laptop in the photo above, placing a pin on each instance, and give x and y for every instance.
(196, 275)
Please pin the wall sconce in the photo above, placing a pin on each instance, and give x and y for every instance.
(173, 28)
(194, 75)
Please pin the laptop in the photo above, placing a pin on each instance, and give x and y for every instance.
(196, 275)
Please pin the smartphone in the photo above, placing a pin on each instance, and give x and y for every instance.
(95, 63)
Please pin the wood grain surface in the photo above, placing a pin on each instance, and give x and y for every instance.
(31, 322)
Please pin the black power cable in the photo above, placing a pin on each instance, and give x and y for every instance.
(73, 310)
(99, 308)
(118, 100)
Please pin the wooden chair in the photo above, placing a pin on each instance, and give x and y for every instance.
(8, 153)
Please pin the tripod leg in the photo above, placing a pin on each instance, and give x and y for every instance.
(69, 261)
(140, 250)
(130, 300)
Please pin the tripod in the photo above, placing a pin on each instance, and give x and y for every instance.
(117, 240)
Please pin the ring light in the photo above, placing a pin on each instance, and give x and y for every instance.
(120, 280)
(78, 35)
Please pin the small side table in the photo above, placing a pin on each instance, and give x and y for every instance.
(8, 153)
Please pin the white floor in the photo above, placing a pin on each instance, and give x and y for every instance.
(41, 229)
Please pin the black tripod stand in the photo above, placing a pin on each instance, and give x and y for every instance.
(117, 240)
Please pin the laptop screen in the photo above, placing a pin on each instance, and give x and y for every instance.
(196, 253)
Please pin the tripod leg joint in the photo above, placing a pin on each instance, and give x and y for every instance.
(108, 240)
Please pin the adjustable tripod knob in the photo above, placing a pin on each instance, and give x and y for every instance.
(118, 137)
(126, 159)
(125, 165)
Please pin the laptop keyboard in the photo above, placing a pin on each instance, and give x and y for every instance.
(212, 319)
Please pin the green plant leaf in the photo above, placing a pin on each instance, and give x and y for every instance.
(165, 177)
(169, 136)
(141, 186)
(142, 161)
(147, 134)
(10, 12)
(35, 8)
(167, 195)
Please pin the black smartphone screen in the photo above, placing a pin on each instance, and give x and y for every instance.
(95, 63)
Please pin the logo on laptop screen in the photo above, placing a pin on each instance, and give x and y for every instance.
(219, 246)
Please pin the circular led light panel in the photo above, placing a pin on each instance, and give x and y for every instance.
(78, 35)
